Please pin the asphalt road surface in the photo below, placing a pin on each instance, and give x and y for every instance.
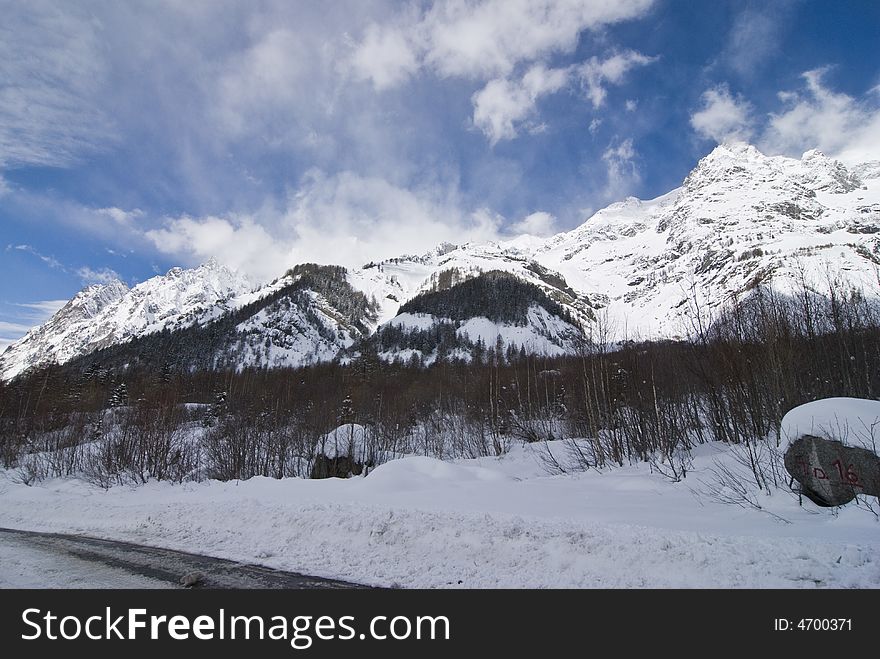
(50, 560)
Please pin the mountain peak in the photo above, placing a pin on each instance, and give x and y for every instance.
(114, 285)
(733, 151)
(813, 154)
(822, 173)
(93, 298)
(741, 218)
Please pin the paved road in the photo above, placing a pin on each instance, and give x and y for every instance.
(139, 565)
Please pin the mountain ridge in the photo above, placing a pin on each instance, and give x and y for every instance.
(740, 218)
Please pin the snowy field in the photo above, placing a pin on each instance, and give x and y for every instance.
(492, 522)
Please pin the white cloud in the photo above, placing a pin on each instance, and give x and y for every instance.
(121, 217)
(755, 37)
(813, 117)
(239, 242)
(503, 104)
(539, 223)
(722, 116)
(594, 125)
(631, 105)
(350, 219)
(596, 74)
(41, 310)
(483, 39)
(51, 261)
(21, 317)
(817, 117)
(386, 57)
(623, 172)
(344, 219)
(96, 276)
(52, 72)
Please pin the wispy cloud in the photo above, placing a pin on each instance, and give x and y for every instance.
(53, 69)
(96, 276)
(86, 274)
(51, 261)
(7, 327)
(756, 36)
(596, 73)
(480, 40)
(622, 169)
(723, 116)
(813, 116)
(121, 217)
(40, 310)
(16, 319)
(503, 104)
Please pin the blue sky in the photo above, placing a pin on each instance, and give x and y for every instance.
(135, 136)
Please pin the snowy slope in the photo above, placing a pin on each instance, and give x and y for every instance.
(542, 334)
(639, 268)
(309, 315)
(464, 317)
(75, 328)
(293, 333)
(740, 218)
(395, 281)
(104, 315)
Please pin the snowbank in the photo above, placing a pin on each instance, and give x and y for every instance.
(348, 440)
(490, 522)
(853, 421)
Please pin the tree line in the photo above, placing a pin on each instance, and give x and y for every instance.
(739, 371)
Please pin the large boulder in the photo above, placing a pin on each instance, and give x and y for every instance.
(830, 473)
(343, 452)
(831, 449)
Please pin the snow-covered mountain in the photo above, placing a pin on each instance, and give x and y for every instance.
(107, 314)
(639, 268)
(643, 267)
(465, 319)
(309, 315)
(739, 219)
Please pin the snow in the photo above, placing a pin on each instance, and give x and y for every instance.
(420, 473)
(738, 217)
(489, 522)
(853, 421)
(282, 334)
(103, 315)
(543, 334)
(419, 321)
(349, 439)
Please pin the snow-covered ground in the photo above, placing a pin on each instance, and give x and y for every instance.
(490, 522)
